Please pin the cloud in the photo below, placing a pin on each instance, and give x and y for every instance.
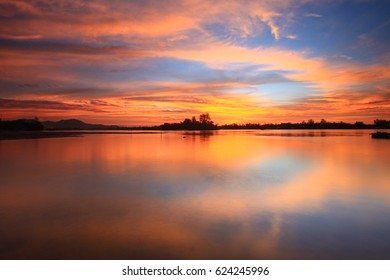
(138, 59)
(291, 36)
(28, 85)
(9, 8)
(102, 103)
(228, 86)
(341, 105)
(93, 20)
(342, 56)
(294, 65)
(43, 104)
(312, 15)
(21, 37)
(58, 49)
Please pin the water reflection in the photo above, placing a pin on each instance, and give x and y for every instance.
(228, 194)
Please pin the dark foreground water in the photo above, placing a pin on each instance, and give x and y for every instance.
(178, 195)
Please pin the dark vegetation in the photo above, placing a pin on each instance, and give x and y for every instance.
(380, 135)
(203, 123)
(21, 124)
(311, 124)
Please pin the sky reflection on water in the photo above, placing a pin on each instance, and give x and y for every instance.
(225, 195)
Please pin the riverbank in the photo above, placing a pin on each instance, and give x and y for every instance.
(18, 135)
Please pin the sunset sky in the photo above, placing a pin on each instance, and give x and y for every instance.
(149, 62)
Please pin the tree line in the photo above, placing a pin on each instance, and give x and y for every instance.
(204, 122)
(21, 124)
(311, 124)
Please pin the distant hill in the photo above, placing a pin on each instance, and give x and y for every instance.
(74, 124)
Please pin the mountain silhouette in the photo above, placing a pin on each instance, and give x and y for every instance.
(74, 124)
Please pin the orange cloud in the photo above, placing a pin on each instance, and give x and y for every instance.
(128, 18)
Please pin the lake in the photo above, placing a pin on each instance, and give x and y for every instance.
(261, 194)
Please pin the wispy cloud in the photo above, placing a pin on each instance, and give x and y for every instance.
(20, 37)
(313, 15)
(44, 104)
(291, 36)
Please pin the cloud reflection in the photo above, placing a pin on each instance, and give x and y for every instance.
(266, 197)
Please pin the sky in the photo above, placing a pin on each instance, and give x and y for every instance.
(154, 61)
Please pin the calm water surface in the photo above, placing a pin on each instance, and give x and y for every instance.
(191, 195)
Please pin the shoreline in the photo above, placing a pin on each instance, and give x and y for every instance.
(20, 135)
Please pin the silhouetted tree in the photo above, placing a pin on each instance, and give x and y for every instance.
(381, 123)
(206, 122)
(187, 122)
(204, 118)
(359, 124)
